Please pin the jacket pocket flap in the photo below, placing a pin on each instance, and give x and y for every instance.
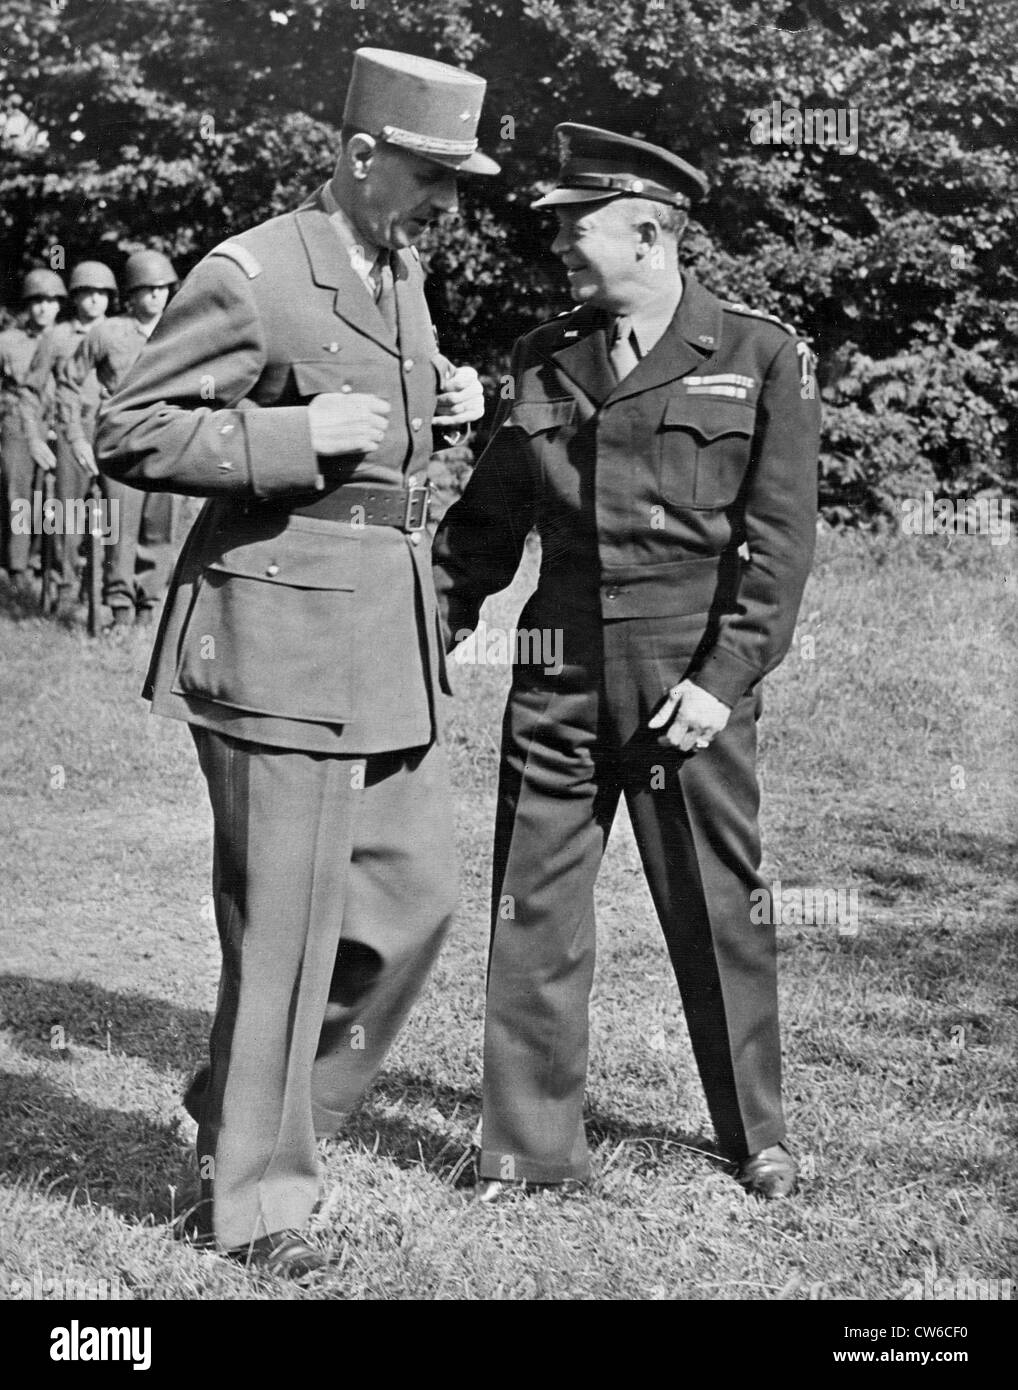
(297, 559)
(535, 416)
(321, 375)
(710, 419)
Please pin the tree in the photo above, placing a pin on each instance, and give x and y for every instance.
(176, 123)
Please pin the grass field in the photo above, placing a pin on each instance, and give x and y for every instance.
(889, 767)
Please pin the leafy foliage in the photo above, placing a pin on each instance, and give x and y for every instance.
(175, 122)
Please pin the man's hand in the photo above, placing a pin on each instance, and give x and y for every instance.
(347, 422)
(690, 717)
(42, 455)
(461, 400)
(84, 457)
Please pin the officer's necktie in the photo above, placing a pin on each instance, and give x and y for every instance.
(385, 294)
(623, 353)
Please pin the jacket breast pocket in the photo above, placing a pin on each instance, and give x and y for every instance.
(704, 448)
(271, 625)
(350, 370)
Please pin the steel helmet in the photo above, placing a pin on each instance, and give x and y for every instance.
(43, 284)
(148, 268)
(93, 275)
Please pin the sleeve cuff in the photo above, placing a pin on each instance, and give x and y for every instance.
(280, 457)
(725, 676)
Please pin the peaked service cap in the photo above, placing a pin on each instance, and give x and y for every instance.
(599, 164)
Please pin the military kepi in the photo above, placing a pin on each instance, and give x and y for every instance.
(428, 108)
(599, 164)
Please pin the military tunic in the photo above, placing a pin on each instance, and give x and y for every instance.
(17, 469)
(137, 562)
(41, 416)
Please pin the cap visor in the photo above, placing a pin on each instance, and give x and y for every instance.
(476, 163)
(558, 197)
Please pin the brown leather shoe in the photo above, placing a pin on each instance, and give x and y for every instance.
(769, 1174)
(283, 1253)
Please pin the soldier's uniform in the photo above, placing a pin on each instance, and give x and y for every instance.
(676, 510)
(139, 557)
(17, 468)
(43, 414)
(300, 640)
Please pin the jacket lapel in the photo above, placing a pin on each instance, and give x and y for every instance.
(331, 268)
(584, 357)
(693, 334)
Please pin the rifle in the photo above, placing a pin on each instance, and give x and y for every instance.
(50, 578)
(94, 558)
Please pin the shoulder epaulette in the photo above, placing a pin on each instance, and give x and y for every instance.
(735, 307)
(240, 255)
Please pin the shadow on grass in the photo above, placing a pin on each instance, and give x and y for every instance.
(162, 1034)
(109, 1158)
(445, 1147)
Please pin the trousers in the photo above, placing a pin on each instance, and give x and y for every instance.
(138, 563)
(334, 881)
(573, 743)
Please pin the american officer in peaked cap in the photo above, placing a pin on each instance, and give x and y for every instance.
(295, 382)
(664, 444)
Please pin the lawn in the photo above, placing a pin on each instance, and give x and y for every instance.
(889, 768)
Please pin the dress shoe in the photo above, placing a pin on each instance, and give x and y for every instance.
(771, 1173)
(283, 1253)
(145, 616)
(123, 617)
(21, 583)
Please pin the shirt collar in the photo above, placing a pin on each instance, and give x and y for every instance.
(363, 254)
(650, 326)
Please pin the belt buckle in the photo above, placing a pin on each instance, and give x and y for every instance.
(416, 516)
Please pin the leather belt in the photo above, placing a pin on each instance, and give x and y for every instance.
(404, 508)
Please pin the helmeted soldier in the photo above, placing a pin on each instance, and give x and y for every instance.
(93, 291)
(140, 555)
(42, 294)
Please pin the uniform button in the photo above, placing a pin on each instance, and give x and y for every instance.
(415, 537)
(272, 571)
(346, 387)
(416, 423)
(611, 593)
(227, 429)
(408, 364)
(225, 465)
(333, 347)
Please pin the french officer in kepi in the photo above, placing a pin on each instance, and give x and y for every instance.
(664, 443)
(295, 381)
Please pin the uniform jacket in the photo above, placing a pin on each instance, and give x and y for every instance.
(280, 626)
(17, 348)
(38, 394)
(643, 491)
(101, 359)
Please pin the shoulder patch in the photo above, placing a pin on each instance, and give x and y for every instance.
(240, 255)
(735, 307)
